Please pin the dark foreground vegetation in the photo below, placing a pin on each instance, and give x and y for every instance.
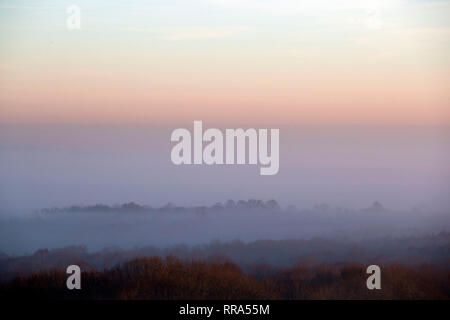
(414, 251)
(173, 278)
(411, 268)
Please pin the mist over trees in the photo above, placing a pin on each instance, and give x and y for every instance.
(132, 225)
(245, 249)
(273, 254)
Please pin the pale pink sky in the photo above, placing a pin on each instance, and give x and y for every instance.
(365, 62)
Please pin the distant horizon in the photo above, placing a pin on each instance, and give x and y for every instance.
(348, 166)
(214, 204)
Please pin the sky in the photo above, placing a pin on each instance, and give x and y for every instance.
(44, 166)
(226, 61)
(359, 89)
